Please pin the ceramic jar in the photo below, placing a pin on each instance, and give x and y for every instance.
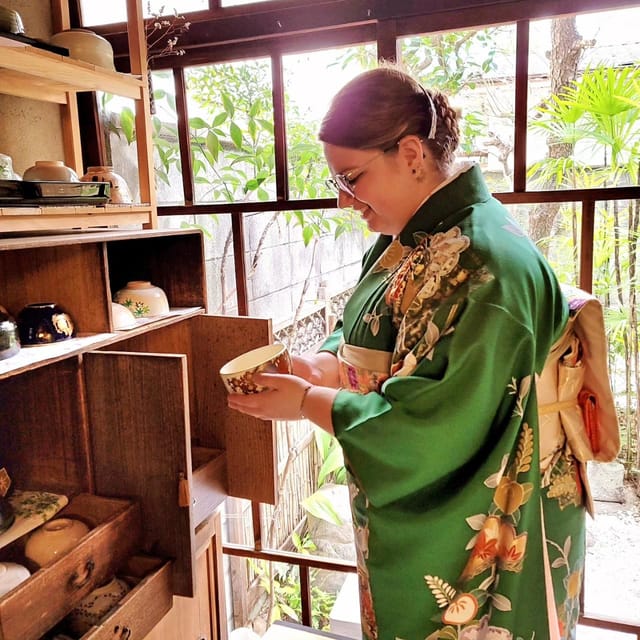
(53, 538)
(50, 170)
(119, 190)
(143, 299)
(11, 575)
(86, 45)
(96, 605)
(44, 323)
(9, 337)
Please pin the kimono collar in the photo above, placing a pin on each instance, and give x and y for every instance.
(448, 204)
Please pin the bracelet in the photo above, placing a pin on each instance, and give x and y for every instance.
(304, 397)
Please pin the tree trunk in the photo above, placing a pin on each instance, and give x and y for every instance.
(566, 49)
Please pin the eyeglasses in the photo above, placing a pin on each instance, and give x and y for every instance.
(345, 182)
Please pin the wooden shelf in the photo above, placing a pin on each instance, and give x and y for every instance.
(69, 217)
(29, 358)
(28, 72)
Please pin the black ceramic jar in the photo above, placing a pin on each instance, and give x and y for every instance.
(44, 323)
(9, 338)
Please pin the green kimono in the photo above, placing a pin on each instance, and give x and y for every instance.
(441, 342)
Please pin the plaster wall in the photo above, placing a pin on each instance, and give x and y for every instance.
(30, 130)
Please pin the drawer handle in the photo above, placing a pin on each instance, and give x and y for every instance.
(125, 632)
(79, 579)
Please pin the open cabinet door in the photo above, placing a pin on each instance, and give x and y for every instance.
(250, 443)
(138, 415)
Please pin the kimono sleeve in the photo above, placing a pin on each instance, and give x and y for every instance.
(446, 417)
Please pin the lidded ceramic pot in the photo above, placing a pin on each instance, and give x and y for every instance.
(53, 538)
(9, 336)
(44, 323)
(86, 45)
(119, 190)
(143, 299)
(50, 170)
(96, 605)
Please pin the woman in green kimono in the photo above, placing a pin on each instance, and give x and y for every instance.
(429, 384)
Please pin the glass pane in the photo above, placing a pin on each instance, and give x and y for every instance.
(231, 131)
(296, 265)
(166, 150)
(218, 255)
(97, 13)
(476, 70)
(117, 115)
(311, 80)
(584, 101)
(614, 548)
(555, 229)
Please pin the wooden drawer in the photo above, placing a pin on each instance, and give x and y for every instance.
(35, 605)
(142, 608)
(209, 482)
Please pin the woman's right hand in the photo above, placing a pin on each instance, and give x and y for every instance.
(319, 369)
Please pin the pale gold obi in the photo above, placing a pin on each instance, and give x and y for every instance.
(361, 369)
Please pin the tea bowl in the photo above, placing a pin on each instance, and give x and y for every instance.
(53, 538)
(44, 323)
(143, 299)
(11, 575)
(122, 317)
(9, 338)
(237, 374)
(96, 605)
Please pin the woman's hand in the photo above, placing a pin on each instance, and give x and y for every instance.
(281, 400)
(287, 397)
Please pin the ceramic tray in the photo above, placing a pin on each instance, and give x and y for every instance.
(18, 193)
(32, 508)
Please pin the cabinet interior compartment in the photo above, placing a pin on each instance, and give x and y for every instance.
(138, 416)
(174, 262)
(72, 276)
(43, 429)
(148, 601)
(209, 341)
(42, 600)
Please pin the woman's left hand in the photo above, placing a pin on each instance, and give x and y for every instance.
(281, 400)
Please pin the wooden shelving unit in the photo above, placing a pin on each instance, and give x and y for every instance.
(37, 74)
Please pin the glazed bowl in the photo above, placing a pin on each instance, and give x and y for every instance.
(53, 538)
(96, 605)
(11, 575)
(86, 45)
(9, 337)
(10, 21)
(143, 299)
(237, 374)
(53, 170)
(122, 317)
(44, 323)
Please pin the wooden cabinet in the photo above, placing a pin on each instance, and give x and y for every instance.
(30, 72)
(131, 425)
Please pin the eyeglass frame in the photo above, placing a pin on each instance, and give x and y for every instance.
(343, 182)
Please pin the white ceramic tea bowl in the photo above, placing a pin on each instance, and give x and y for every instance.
(237, 374)
(143, 299)
(122, 317)
(11, 575)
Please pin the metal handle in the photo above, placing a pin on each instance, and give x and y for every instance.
(81, 577)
